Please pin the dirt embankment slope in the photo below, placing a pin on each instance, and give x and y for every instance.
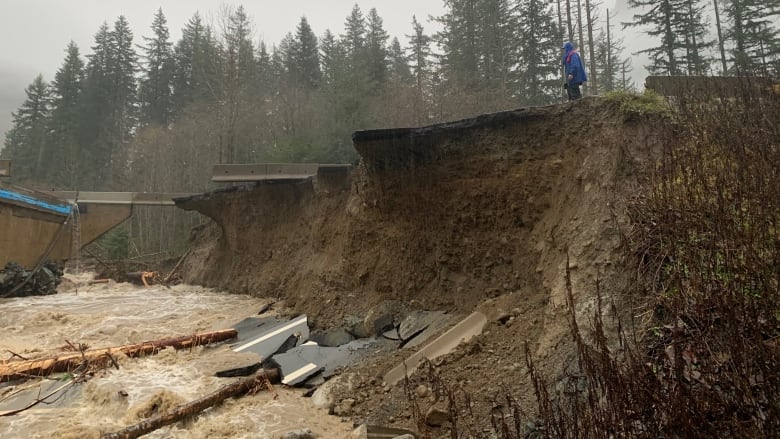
(475, 214)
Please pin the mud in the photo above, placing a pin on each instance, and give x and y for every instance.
(113, 314)
(481, 214)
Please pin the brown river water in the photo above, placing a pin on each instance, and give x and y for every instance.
(105, 315)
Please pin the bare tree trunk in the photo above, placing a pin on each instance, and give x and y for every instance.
(720, 37)
(580, 44)
(238, 388)
(67, 362)
(609, 73)
(592, 50)
(569, 27)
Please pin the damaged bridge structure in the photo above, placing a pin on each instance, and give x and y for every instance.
(39, 228)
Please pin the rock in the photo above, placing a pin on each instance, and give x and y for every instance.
(323, 397)
(344, 407)
(303, 433)
(365, 431)
(436, 416)
(503, 317)
(333, 338)
(263, 309)
(357, 328)
(360, 432)
(422, 391)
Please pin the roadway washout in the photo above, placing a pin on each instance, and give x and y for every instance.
(475, 215)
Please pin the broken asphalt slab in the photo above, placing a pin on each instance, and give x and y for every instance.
(264, 336)
(302, 362)
(463, 331)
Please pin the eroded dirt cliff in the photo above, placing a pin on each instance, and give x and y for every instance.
(476, 214)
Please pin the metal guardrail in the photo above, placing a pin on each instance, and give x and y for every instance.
(121, 198)
(229, 173)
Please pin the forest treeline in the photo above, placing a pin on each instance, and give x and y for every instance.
(155, 115)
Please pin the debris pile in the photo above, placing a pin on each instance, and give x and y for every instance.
(15, 281)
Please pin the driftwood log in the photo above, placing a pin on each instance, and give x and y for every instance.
(67, 362)
(238, 388)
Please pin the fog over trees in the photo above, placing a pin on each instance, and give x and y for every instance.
(152, 114)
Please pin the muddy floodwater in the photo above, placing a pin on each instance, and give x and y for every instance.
(105, 315)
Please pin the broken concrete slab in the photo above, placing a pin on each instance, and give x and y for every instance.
(463, 331)
(365, 431)
(269, 337)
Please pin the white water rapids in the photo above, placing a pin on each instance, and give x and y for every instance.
(105, 315)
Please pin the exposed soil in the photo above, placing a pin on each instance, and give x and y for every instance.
(479, 214)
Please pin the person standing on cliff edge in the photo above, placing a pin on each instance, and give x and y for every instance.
(574, 70)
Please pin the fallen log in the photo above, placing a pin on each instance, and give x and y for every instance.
(67, 362)
(238, 388)
(98, 281)
(176, 267)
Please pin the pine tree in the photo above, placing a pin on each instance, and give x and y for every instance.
(26, 142)
(156, 88)
(754, 35)
(67, 89)
(538, 82)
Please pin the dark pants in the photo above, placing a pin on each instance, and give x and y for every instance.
(573, 90)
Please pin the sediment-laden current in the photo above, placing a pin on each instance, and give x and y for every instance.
(105, 315)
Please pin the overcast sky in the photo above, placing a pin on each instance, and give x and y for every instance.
(34, 33)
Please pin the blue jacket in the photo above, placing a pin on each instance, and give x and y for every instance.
(572, 64)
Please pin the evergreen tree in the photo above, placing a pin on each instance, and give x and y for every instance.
(95, 113)
(26, 142)
(419, 61)
(237, 80)
(538, 82)
(683, 35)
(459, 42)
(108, 105)
(609, 60)
(332, 58)
(305, 62)
(196, 65)
(156, 88)
(498, 43)
(754, 34)
(697, 41)
(122, 68)
(376, 49)
(354, 38)
(67, 89)
(398, 69)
